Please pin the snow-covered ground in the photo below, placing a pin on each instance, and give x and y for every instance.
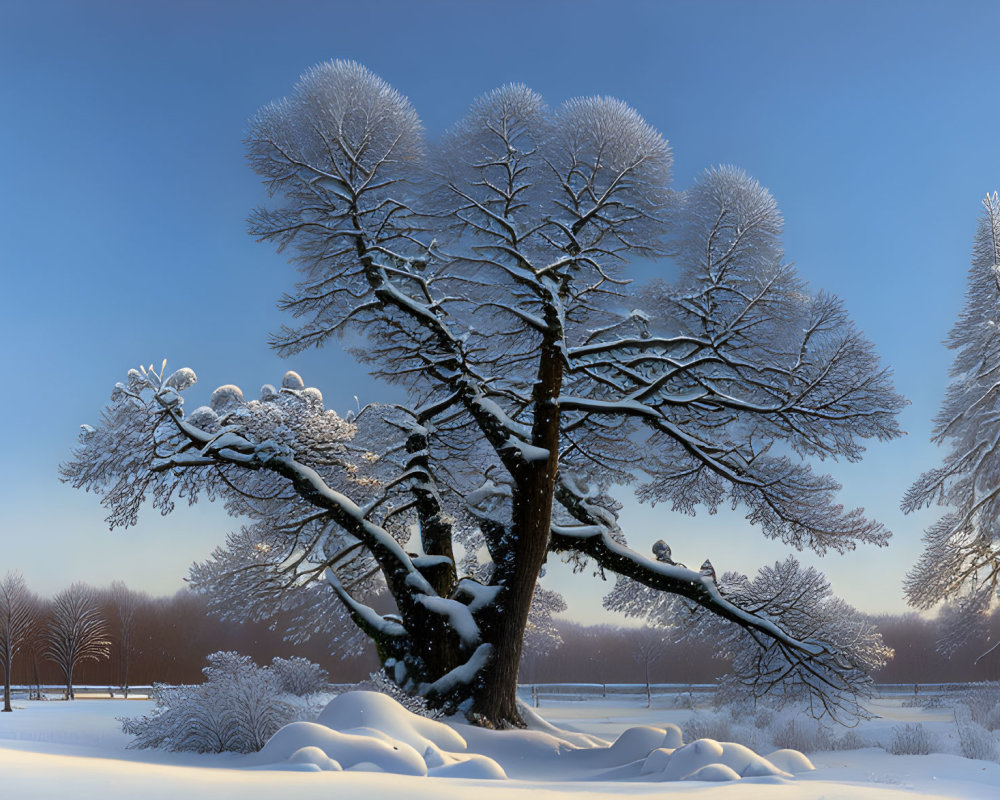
(54, 748)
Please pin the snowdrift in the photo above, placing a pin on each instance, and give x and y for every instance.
(370, 732)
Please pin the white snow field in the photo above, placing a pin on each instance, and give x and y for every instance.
(365, 746)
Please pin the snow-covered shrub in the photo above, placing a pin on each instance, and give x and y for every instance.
(237, 708)
(927, 701)
(976, 740)
(800, 733)
(707, 726)
(763, 717)
(983, 703)
(850, 740)
(910, 740)
(299, 676)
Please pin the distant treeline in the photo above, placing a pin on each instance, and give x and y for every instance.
(608, 654)
(169, 640)
(170, 637)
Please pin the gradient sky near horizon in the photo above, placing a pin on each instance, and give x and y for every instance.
(124, 192)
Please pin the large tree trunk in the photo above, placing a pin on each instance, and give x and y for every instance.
(495, 703)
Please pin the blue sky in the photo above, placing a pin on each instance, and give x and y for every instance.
(124, 192)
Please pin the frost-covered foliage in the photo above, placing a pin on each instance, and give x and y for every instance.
(299, 676)
(977, 716)
(910, 740)
(488, 277)
(237, 709)
(75, 631)
(800, 733)
(540, 634)
(977, 740)
(708, 726)
(802, 599)
(961, 558)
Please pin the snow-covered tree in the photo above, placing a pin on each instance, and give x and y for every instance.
(17, 622)
(488, 276)
(961, 558)
(76, 631)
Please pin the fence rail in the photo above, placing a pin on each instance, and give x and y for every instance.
(139, 692)
(536, 692)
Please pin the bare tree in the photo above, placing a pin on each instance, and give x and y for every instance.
(125, 604)
(34, 648)
(17, 620)
(649, 645)
(487, 276)
(76, 631)
(961, 558)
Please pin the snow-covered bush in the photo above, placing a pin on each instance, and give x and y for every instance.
(927, 701)
(800, 733)
(910, 740)
(708, 726)
(238, 707)
(983, 702)
(976, 740)
(299, 676)
(763, 717)
(850, 740)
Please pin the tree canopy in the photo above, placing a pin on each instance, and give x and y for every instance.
(488, 275)
(961, 559)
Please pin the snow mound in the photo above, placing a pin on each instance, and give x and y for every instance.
(707, 759)
(369, 731)
(316, 757)
(790, 761)
(349, 750)
(634, 744)
(366, 732)
(472, 766)
(293, 381)
(361, 709)
(712, 772)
